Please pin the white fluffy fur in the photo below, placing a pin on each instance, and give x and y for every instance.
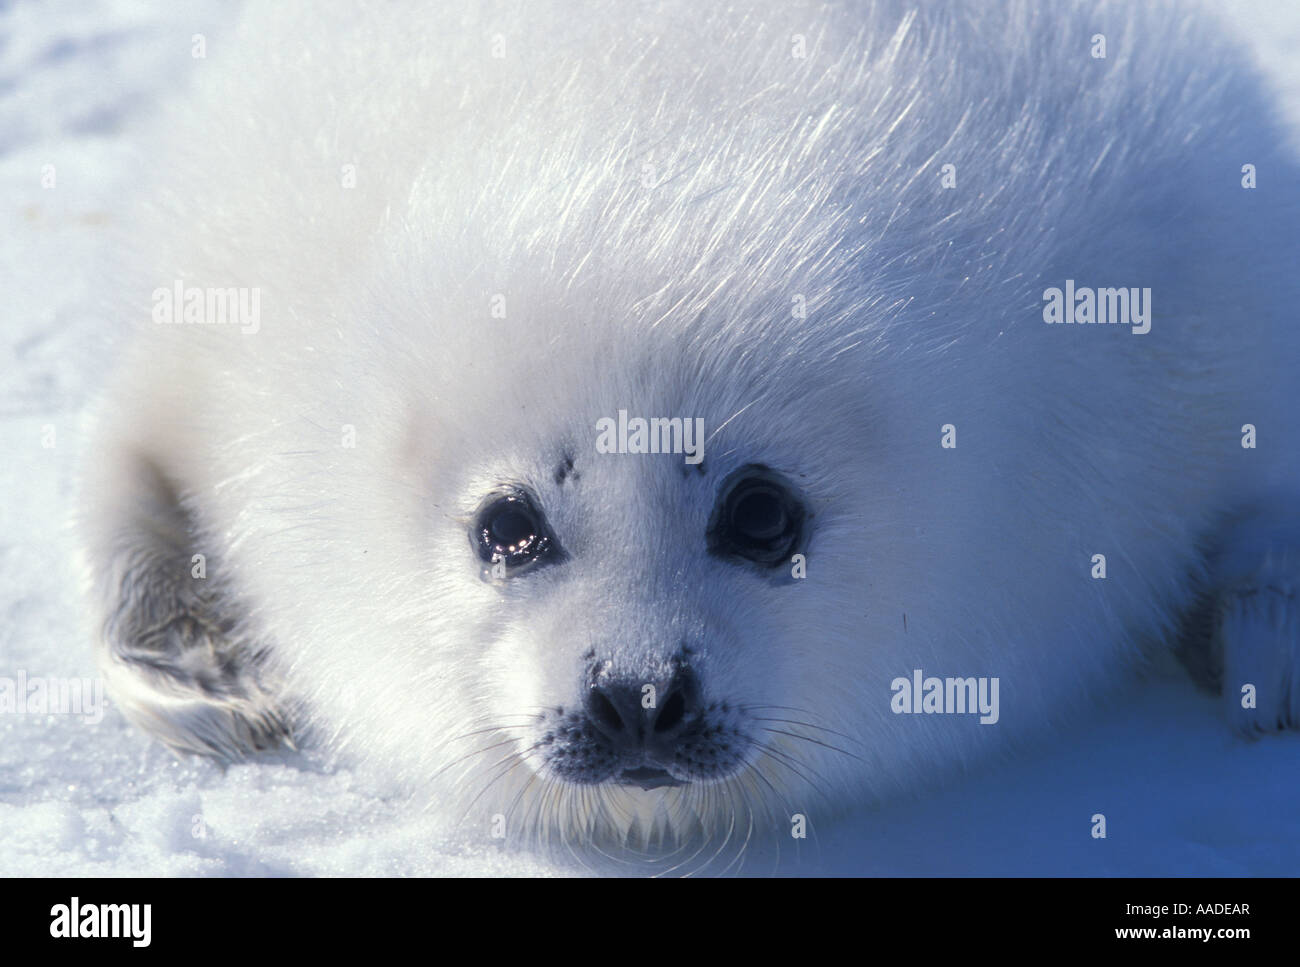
(348, 570)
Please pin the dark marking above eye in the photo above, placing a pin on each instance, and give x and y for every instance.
(565, 470)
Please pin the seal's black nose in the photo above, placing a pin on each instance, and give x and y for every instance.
(648, 727)
(642, 719)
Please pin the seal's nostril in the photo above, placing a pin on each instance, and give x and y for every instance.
(671, 713)
(604, 711)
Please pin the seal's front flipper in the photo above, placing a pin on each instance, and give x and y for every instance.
(1252, 643)
(172, 641)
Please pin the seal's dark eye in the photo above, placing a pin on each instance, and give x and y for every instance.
(509, 528)
(757, 518)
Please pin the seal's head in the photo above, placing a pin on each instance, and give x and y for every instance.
(624, 534)
(669, 563)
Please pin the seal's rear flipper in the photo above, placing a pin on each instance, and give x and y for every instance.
(172, 642)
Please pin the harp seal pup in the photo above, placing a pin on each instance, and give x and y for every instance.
(380, 504)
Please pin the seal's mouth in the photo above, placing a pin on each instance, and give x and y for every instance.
(648, 778)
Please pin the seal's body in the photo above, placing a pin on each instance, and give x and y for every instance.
(398, 500)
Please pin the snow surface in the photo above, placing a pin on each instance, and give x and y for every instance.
(1181, 794)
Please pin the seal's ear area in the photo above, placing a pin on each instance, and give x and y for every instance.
(171, 641)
